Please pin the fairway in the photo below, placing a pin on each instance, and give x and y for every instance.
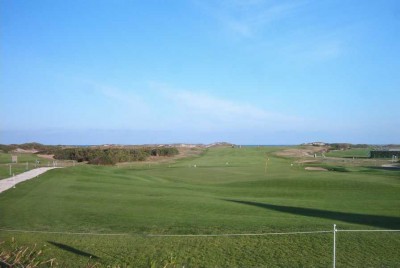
(225, 190)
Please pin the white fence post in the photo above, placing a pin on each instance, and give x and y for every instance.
(334, 245)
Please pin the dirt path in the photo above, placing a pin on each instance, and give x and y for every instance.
(6, 184)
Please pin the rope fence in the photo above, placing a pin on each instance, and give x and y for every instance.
(191, 235)
(64, 233)
(333, 231)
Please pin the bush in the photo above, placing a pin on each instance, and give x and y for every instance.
(111, 156)
(102, 160)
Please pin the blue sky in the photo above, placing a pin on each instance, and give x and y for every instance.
(199, 71)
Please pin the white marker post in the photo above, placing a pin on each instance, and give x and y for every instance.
(266, 165)
(334, 245)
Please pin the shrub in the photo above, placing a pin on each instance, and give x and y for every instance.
(102, 160)
(111, 156)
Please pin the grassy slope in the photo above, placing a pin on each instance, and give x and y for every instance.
(212, 198)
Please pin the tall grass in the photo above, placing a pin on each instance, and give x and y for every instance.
(14, 255)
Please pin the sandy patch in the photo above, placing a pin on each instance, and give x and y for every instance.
(315, 168)
(306, 161)
(23, 151)
(47, 156)
(306, 151)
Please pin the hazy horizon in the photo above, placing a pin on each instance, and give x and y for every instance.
(245, 72)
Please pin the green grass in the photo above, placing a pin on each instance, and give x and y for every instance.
(212, 198)
(5, 158)
(355, 152)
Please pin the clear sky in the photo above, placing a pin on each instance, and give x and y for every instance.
(199, 71)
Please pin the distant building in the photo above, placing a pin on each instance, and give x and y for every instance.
(318, 143)
(315, 143)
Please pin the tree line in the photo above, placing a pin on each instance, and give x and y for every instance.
(94, 155)
(111, 156)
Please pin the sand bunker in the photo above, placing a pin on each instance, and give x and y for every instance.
(307, 161)
(315, 168)
(47, 156)
(306, 151)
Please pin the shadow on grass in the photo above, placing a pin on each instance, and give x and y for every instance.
(386, 222)
(356, 157)
(338, 169)
(394, 168)
(73, 250)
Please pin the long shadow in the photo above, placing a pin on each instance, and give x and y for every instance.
(386, 222)
(73, 250)
(386, 168)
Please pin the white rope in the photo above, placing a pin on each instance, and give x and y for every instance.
(191, 235)
(50, 232)
(161, 235)
(213, 235)
(367, 230)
